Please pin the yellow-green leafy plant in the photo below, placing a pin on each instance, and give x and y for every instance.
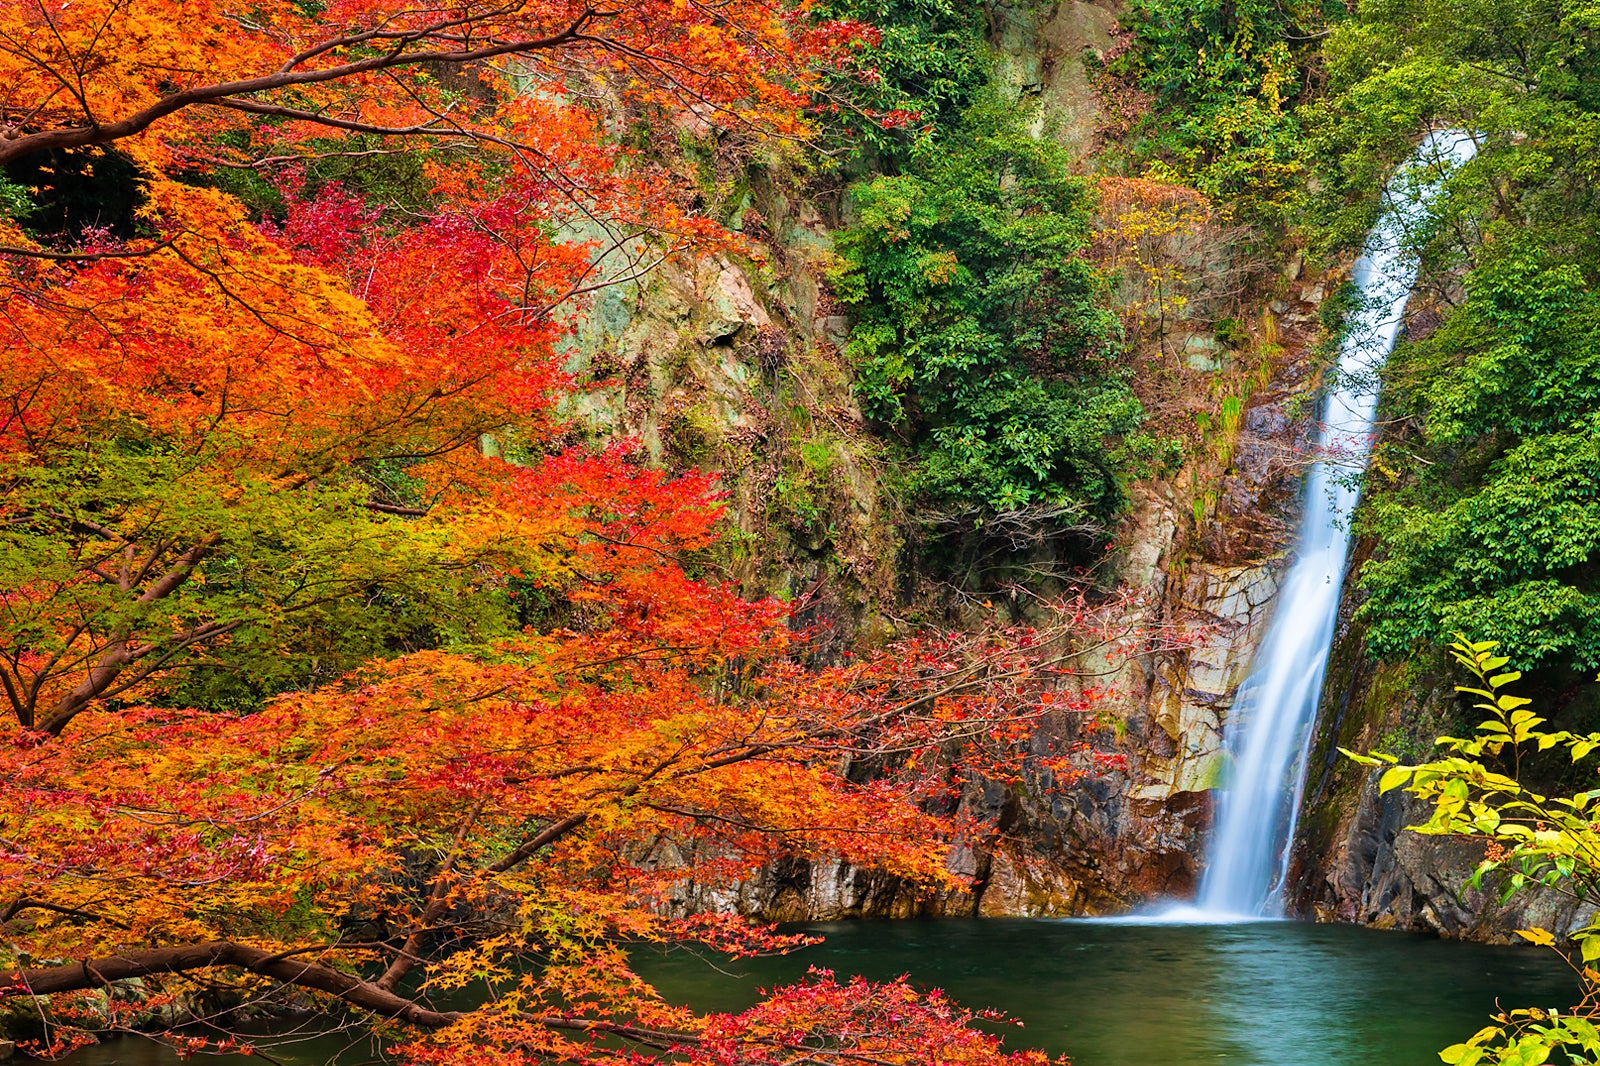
(1479, 788)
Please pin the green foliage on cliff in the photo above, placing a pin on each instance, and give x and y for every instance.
(1220, 76)
(981, 334)
(1524, 77)
(930, 63)
(1493, 529)
(1499, 533)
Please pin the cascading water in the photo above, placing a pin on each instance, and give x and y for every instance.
(1269, 727)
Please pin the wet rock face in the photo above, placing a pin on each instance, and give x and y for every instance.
(1042, 48)
(1193, 693)
(732, 307)
(1386, 876)
(1260, 486)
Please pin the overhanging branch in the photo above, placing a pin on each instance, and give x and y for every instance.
(188, 958)
(15, 144)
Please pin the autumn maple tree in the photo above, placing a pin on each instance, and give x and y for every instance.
(443, 820)
(308, 684)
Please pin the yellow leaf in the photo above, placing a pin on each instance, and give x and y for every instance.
(1393, 778)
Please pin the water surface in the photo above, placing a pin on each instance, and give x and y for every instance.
(1114, 994)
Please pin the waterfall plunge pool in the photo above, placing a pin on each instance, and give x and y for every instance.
(1265, 993)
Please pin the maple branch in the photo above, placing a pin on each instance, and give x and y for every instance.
(380, 33)
(14, 145)
(668, 556)
(28, 903)
(251, 309)
(638, 1034)
(438, 902)
(420, 129)
(23, 710)
(395, 508)
(95, 973)
(187, 958)
(407, 957)
(278, 160)
(27, 708)
(527, 848)
(118, 655)
(738, 821)
(85, 257)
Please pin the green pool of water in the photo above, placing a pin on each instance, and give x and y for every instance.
(1109, 994)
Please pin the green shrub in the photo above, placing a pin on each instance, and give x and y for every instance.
(981, 332)
(1498, 534)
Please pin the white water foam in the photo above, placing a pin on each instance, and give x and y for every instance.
(1180, 914)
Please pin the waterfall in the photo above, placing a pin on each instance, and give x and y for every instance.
(1269, 728)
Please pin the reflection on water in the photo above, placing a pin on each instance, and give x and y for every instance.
(1112, 994)
(1254, 994)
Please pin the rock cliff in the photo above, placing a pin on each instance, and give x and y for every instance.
(732, 363)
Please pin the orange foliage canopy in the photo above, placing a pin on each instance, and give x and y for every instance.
(309, 685)
(512, 821)
(176, 74)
